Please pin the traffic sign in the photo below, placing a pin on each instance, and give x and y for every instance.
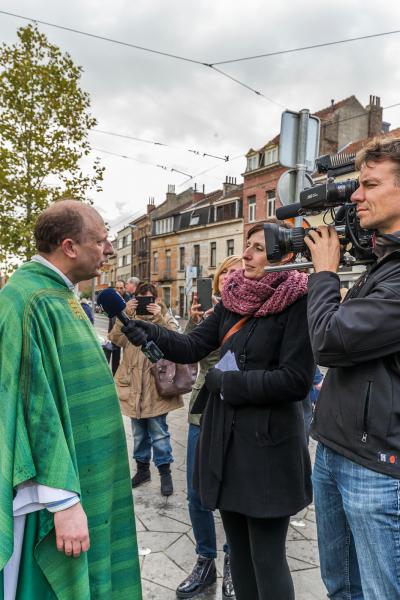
(287, 186)
(289, 140)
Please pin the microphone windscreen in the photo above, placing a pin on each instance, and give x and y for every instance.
(289, 211)
(111, 302)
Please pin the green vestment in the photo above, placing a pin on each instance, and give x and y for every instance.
(60, 425)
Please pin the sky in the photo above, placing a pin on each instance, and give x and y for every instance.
(191, 107)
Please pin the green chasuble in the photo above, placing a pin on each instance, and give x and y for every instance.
(60, 425)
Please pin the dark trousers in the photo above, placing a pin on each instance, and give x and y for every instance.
(258, 557)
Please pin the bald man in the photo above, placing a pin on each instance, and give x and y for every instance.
(66, 515)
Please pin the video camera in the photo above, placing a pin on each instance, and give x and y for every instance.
(333, 198)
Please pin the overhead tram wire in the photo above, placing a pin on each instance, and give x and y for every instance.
(203, 63)
(139, 160)
(104, 39)
(143, 49)
(155, 143)
(310, 47)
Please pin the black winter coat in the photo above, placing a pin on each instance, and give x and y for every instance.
(252, 454)
(358, 408)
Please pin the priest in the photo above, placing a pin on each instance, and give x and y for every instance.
(66, 515)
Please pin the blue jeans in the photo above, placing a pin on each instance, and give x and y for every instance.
(358, 522)
(152, 433)
(201, 518)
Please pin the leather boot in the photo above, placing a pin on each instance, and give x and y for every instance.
(167, 488)
(204, 574)
(142, 474)
(227, 585)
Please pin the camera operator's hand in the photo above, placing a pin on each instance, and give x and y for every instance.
(213, 380)
(139, 332)
(324, 246)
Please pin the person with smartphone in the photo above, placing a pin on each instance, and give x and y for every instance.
(138, 395)
(204, 571)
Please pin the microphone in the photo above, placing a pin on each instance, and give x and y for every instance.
(114, 306)
(288, 212)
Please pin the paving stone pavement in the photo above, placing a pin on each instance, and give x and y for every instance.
(166, 540)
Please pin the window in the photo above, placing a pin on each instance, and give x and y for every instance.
(230, 247)
(128, 259)
(252, 208)
(167, 296)
(194, 219)
(181, 259)
(271, 156)
(124, 241)
(181, 301)
(226, 212)
(164, 225)
(155, 262)
(252, 162)
(129, 238)
(120, 261)
(213, 254)
(120, 242)
(124, 260)
(134, 247)
(270, 201)
(196, 255)
(168, 262)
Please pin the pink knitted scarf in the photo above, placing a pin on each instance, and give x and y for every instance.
(269, 295)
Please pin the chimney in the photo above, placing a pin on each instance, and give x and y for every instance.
(171, 195)
(150, 205)
(374, 111)
(229, 185)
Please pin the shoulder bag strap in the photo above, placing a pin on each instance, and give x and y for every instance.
(235, 328)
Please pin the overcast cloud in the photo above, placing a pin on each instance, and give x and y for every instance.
(189, 106)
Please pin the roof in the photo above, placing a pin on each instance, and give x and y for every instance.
(354, 147)
(173, 211)
(324, 114)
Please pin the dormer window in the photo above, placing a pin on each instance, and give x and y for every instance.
(194, 219)
(252, 162)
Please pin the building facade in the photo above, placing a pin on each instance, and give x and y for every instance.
(342, 123)
(191, 242)
(124, 253)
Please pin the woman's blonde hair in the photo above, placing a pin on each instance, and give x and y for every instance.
(226, 264)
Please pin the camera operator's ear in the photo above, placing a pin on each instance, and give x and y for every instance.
(287, 259)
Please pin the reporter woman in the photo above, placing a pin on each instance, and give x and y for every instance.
(253, 462)
(204, 572)
(139, 398)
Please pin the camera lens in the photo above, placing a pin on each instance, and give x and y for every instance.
(340, 192)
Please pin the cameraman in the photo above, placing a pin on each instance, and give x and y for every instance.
(357, 420)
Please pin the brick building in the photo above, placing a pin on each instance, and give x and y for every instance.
(342, 123)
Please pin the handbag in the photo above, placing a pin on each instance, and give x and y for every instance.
(173, 379)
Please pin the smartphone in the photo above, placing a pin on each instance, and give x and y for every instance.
(143, 302)
(204, 292)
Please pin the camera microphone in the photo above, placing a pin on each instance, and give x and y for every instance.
(288, 212)
(114, 306)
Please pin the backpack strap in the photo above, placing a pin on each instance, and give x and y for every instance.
(235, 328)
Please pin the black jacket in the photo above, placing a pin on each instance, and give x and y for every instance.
(358, 409)
(252, 454)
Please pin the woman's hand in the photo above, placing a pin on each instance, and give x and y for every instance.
(196, 314)
(131, 307)
(154, 309)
